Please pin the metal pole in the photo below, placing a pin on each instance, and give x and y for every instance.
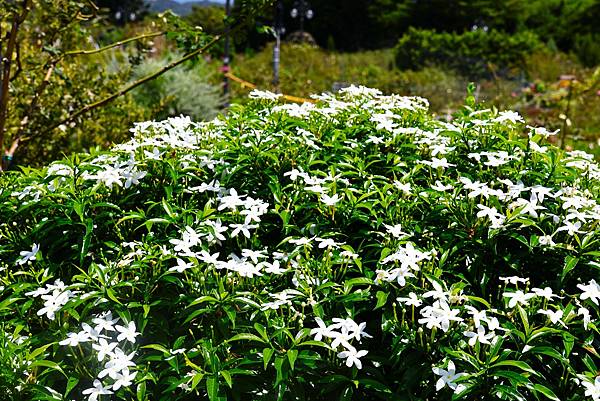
(226, 58)
(277, 47)
(302, 10)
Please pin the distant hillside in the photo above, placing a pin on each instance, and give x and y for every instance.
(158, 6)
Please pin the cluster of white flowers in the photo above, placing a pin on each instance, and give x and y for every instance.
(122, 173)
(318, 185)
(406, 260)
(55, 296)
(107, 339)
(342, 333)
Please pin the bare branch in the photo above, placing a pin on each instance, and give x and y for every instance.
(110, 46)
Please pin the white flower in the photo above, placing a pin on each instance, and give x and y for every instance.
(242, 228)
(321, 331)
(105, 322)
(181, 266)
(546, 240)
(326, 243)
(518, 297)
(127, 332)
(541, 131)
(395, 230)
(591, 291)
(119, 361)
(404, 187)
(330, 200)
(546, 293)
(511, 116)
(412, 300)
(586, 316)
(98, 389)
(570, 227)
(447, 378)
(514, 280)
(352, 357)
(73, 339)
(480, 335)
(554, 316)
(104, 348)
(124, 379)
(264, 95)
(439, 315)
(592, 389)
(26, 256)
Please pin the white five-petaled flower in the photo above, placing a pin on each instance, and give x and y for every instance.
(124, 379)
(73, 339)
(181, 266)
(591, 291)
(592, 388)
(98, 389)
(104, 348)
(105, 322)
(448, 377)
(321, 331)
(330, 200)
(395, 230)
(554, 316)
(127, 332)
(518, 297)
(479, 335)
(352, 356)
(26, 256)
(411, 300)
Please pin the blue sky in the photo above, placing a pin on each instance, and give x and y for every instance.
(187, 1)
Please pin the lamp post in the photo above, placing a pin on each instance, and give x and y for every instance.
(301, 9)
(226, 57)
(279, 30)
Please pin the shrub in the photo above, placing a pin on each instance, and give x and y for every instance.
(587, 48)
(186, 90)
(476, 53)
(356, 248)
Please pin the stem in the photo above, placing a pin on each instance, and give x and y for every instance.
(110, 46)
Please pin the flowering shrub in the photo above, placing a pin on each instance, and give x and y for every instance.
(356, 248)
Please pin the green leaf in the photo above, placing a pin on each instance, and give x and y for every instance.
(545, 391)
(246, 336)
(517, 364)
(292, 355)
(196, 379)
(570, 263)
(279, 369)
(267, 354)
(381, 299)
(71, 383)
(48, 364)
(111, 295)
(227, 376)
(157, 347)
(261, 330)
(212, 388)
(141, 391)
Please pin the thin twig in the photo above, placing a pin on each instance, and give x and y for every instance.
(110, 46)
